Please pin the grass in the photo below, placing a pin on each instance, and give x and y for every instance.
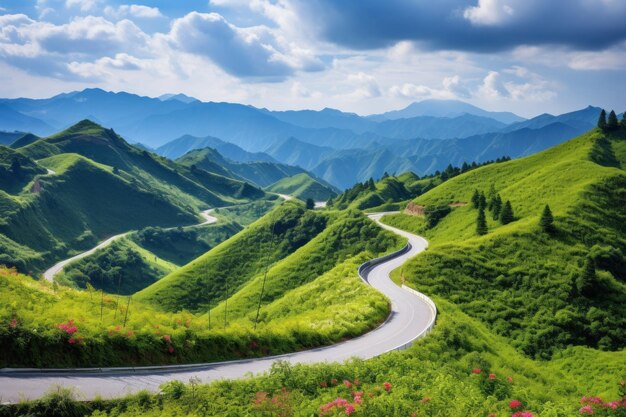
(102, 186)
(517, 279)
(303, 186)
(434, 378)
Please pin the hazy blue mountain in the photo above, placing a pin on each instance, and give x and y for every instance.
(261, 173)
(7, 138)
(326, 118)
(13, 120)
(582, 120)
(179, 147)
(179, 97)
(294, 152)
(445, 108)
(429, 127)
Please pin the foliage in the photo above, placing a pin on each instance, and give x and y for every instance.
(303, 186)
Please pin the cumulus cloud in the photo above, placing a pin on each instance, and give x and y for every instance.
(523, 85)
(253, 52)
(452, 88)
(133, 10)
(489, 12)
(366, 86)
(44, 48)
(489, 25)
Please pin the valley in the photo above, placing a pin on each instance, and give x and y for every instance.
(219, 273)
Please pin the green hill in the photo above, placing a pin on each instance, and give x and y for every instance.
(98, 185)
(303, 186)
(542, 291)
(261, 173)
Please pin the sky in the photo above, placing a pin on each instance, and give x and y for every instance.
(363, 56)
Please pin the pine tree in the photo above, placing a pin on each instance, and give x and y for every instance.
(481, 223)
(585, 283)
(497, 207)
(476, 199)
(602, 120)
(547, 220)
(623, 122)
(310, 204)
(507, 216)
(483, 201)
(612, 123)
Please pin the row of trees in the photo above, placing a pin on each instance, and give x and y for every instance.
(610, 123)
(499, 210)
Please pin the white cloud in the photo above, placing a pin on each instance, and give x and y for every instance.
(453, 88)
(366, 85)
(83, 5)
(133, 10)
(254, 52)
(526, 86)
(490, 12)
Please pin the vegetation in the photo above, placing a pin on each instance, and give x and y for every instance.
(100, 186)
(303, 186)
(460, 369)
(524, 284)
(384, 194)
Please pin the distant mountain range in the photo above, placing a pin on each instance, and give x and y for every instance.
(338, 147)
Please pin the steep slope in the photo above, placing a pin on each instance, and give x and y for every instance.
(260, 173)
(225, 268)
(543, 291)
(7, 138)
(303, 186)
(178, 147)
(96, 185)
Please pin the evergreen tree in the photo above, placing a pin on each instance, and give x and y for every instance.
(483, 201)
(465, 167)
(585, 283)
(623, 122)
(602, 120)
(507, 216)
(497, 207)
(476, 199)
(612, 123)
(547, 220)
(16, 167)
(481, 223)
(310, 204)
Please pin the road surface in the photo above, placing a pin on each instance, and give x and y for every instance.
(50, 273)
(412, 316)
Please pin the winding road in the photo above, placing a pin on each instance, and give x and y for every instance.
(412, 316)
(51, 272)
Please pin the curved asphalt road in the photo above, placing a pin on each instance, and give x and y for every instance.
(410, 318)
(50, 273)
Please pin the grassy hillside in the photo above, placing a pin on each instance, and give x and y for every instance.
(304, 309)
(543, 291)
(98, 186)
(262, 173)
(222, 270)
(303, 186)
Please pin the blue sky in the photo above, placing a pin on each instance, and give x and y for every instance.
(366, 56)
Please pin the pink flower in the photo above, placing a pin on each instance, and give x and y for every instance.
(71, 341)
(358, 399)
(13, 323)
(586, 410)
(492, 376)
(508, 378)
(387, 386)
(170, 349)
(476, 371)
(333, 381)
(515, 404)
(347, 383)
(349, 409)
(522, 414)
(167, 337)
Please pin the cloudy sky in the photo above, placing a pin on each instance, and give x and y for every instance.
(366, 56)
